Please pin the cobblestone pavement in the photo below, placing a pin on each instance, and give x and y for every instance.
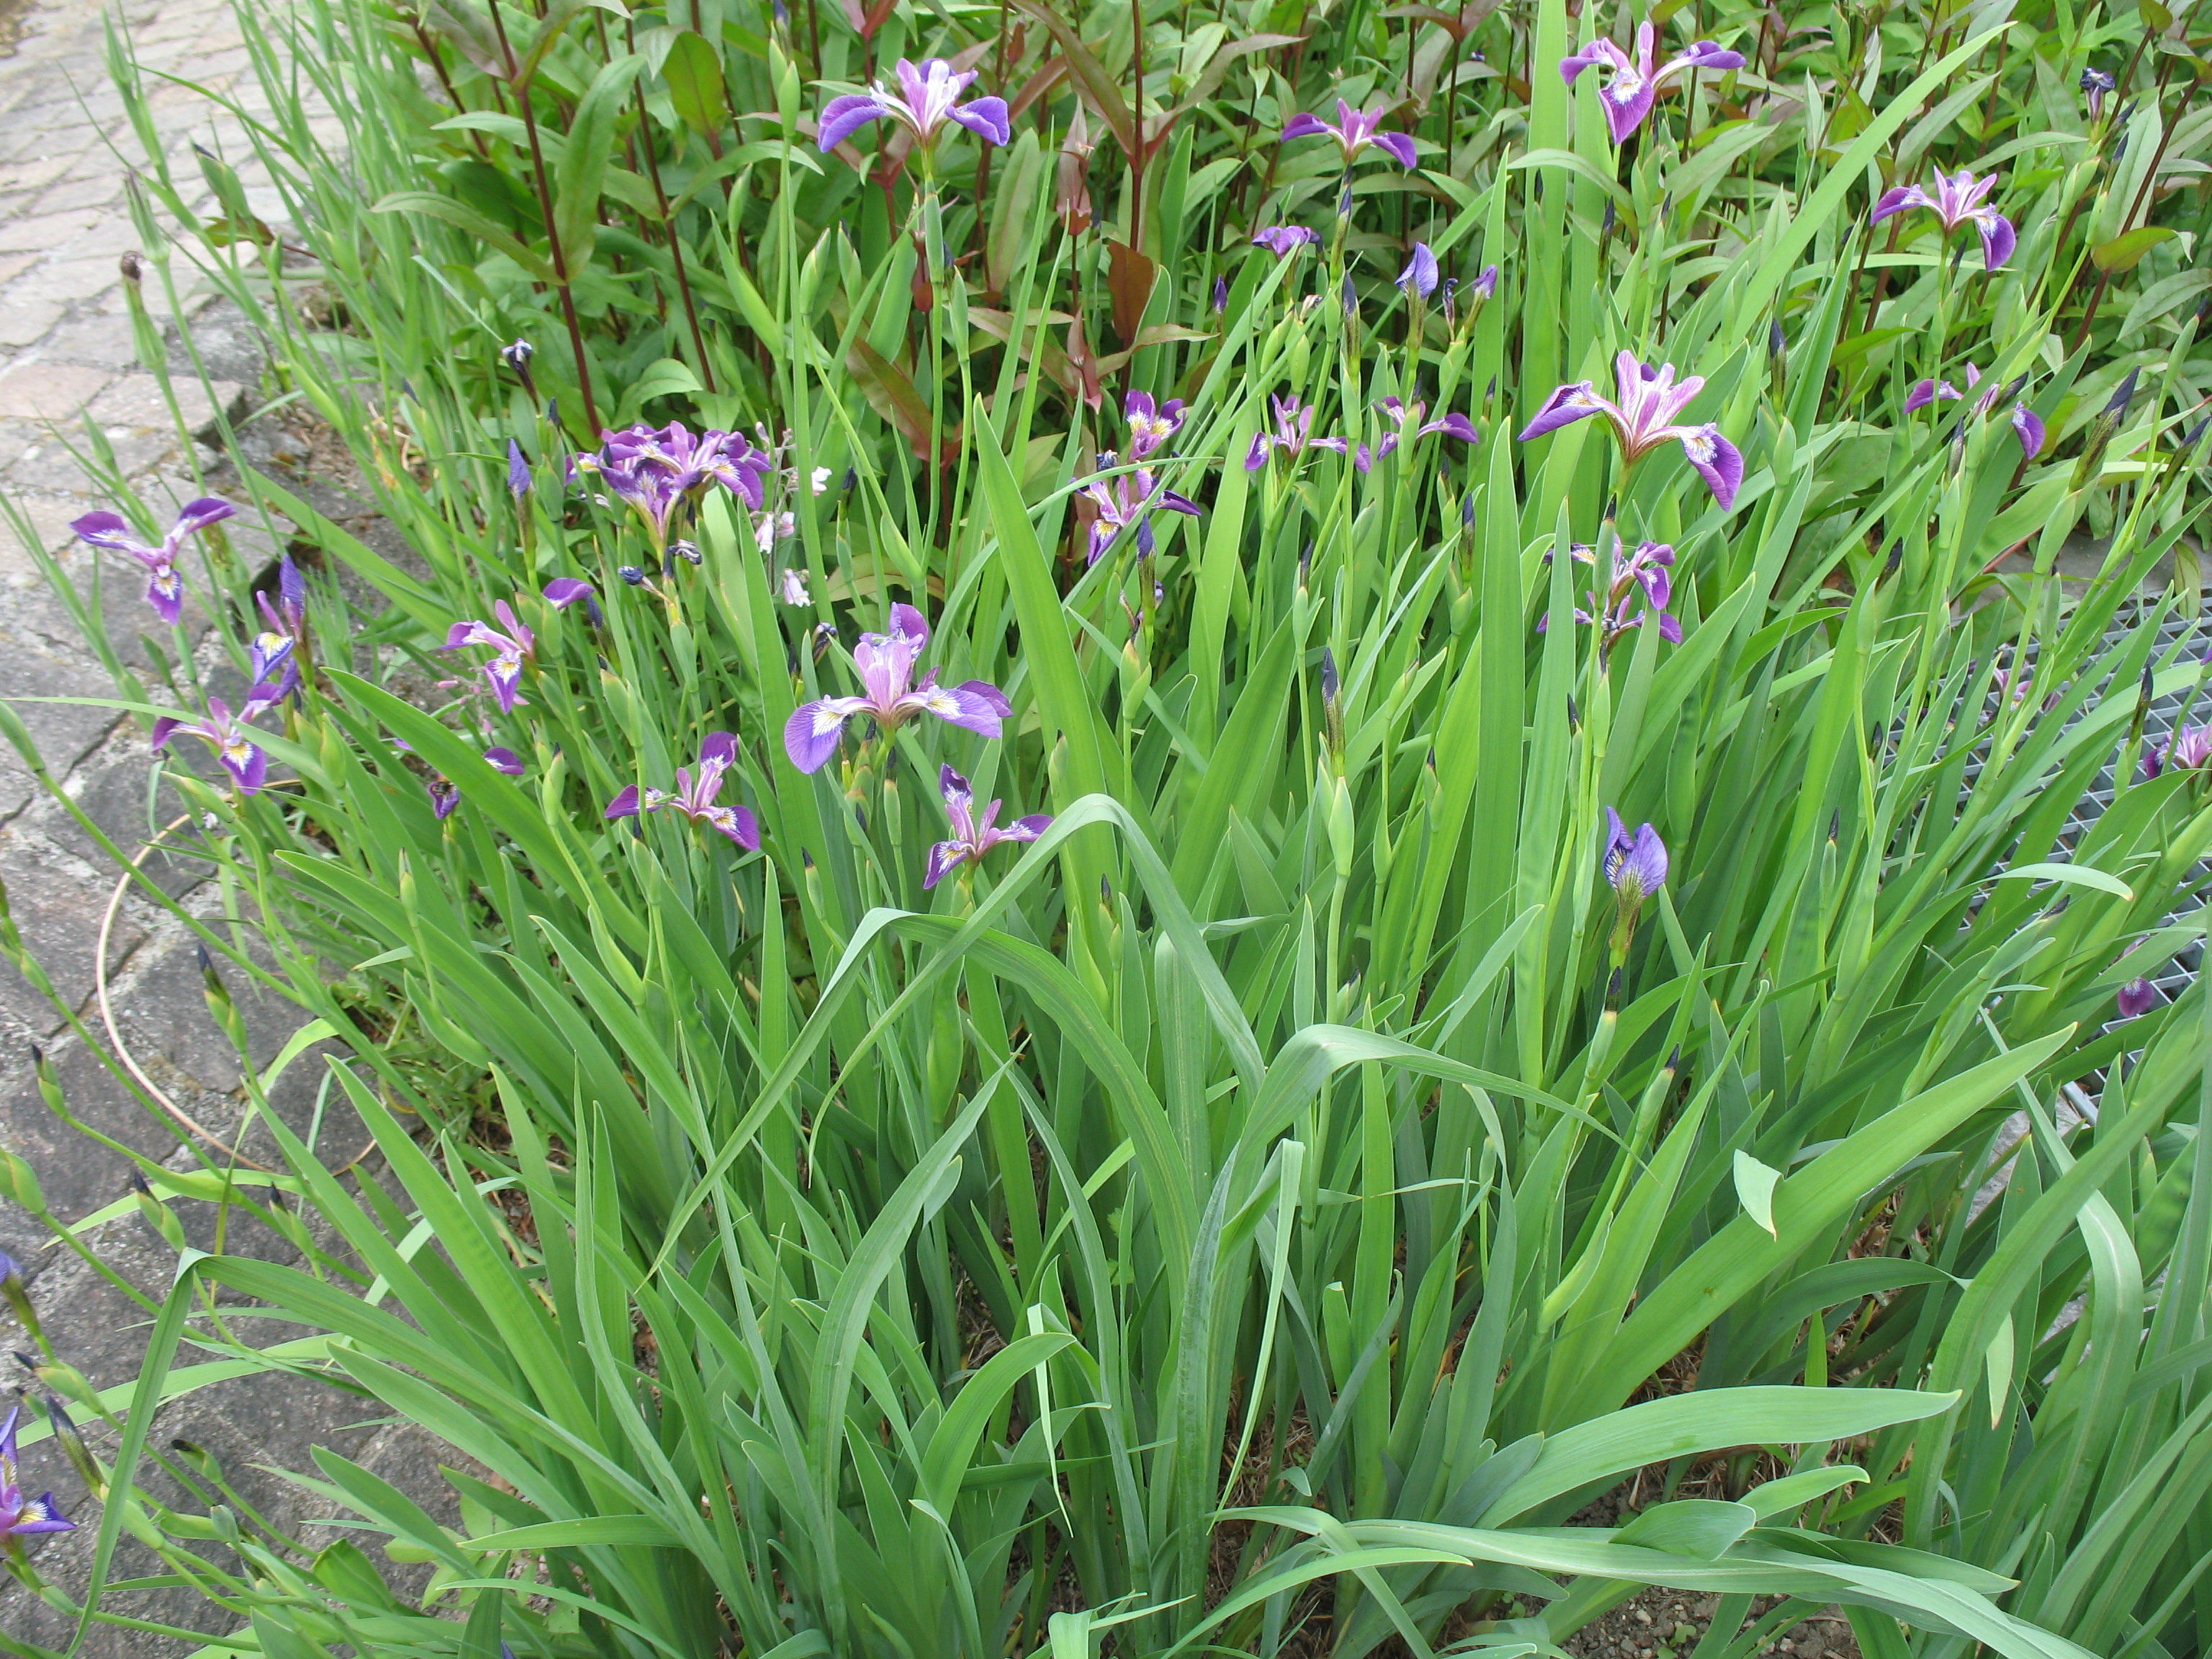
(67, 356)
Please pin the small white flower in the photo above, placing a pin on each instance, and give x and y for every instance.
(821, 480)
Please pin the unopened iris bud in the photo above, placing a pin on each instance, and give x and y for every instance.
(2096, 85)
(2103, 428)
(2136, 997)
(517, 357)
(1220, 295)
(631, 574)
(1777, 352)
(1332, 704)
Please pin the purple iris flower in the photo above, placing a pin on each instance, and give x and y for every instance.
(1642, 419)
(1282, 240)
(22, 1516)
(2028, 426)
(2190, 750)
(165, 586)
(277, 651)
(1485, 283)
(1403, 415)
(972, 837)
(1957, 201)
(1292, 438)
(694, 797)
(518, 470)
(444, 795)
(1635, 865)
(2136, 997)
(1355, 130)
(1634, 85)
(231, 736)
(1150, 424)
(1648, 571)
(886, 665)
(512, 642)
(927, 99)
(657, 471)
(1418, 279)
(1127, 501)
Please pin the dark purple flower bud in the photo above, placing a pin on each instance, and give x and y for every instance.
(1451, 298)
(2195, 436)
(1330, 684)
(2136, 997)
(687, 551)
(631, 574)
(1220, 295)
(2098, 84)
(1351, 300)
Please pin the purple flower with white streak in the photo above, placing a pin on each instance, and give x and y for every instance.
(1632, 85)
(657, 471)
(231, 736)
(1127, 500)
(1355, 130)
(276, 652)
(973, 836)
(1643, 418)
(1648, 571)
(2028, 426)
(1403, 415)
(518, 471)
(2189, 750)
(512, 642)
(1150, 424)
(891, 697)
(1485, 282)
(1635, 865)
(1292, 438)
(927, 99)
(1282, 240)
(22, 1516)
(1956, 201)
(695, 796)
(165, 586)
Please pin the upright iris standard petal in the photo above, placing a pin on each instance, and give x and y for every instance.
(1291, 437)
(657, 471)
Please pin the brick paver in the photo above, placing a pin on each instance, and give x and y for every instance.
(67, 354)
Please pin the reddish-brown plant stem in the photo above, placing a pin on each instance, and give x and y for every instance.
(552, 230)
